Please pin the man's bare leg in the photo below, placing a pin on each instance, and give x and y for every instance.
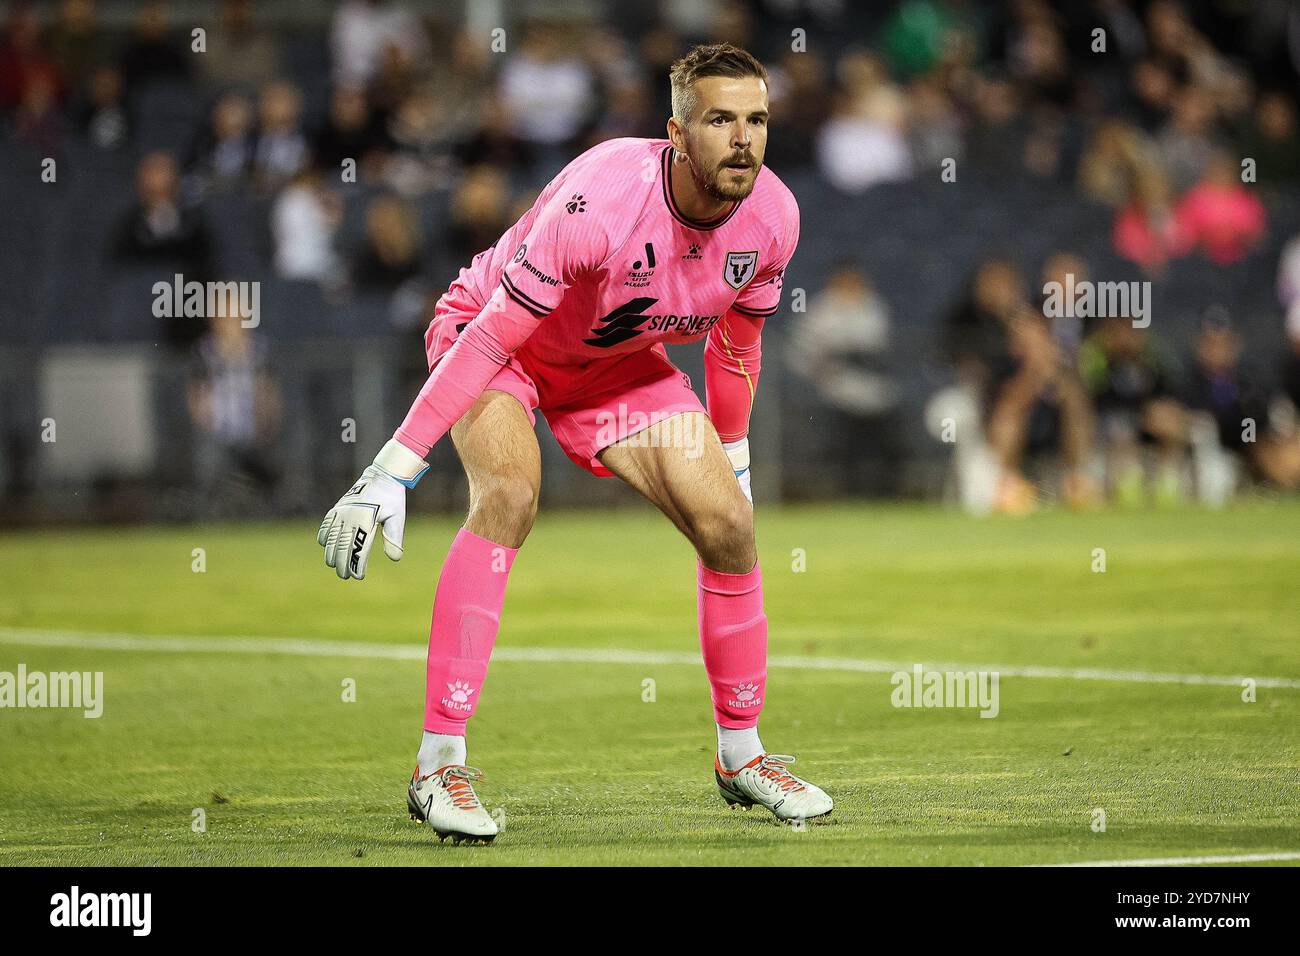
(680, 467)
(692, 482)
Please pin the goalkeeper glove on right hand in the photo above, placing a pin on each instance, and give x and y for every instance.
(377, 498)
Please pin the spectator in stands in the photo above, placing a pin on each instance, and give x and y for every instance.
(23, 59)
(1273, 140)
(223, 157)
(919, 35)
(361, 30)
(75, 42)
(304, 219)
(1221, 217)
(394, 81)
(235, 407)
(863, 142)
(390, 261)
(160, 229)
(391, 252)
(1153, 88)
(1184, 144)
(1146, 230)
(423, 156)
(934, 130)
(1038, 57)
(494, 143)
(281, 151)
(1133, 386)
(975, 333)
(549, 94)
(996, 135)
(800, 102)
(1063, 269)
(1116, 155)
(478, 213)
(239, 54)
(152, 54)
(352, 131)
(104, 119)
(1229, 393)
(1033, 399)
(39, 121)
(841, 346)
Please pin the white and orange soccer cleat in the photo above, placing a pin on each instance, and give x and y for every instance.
(445, 799)
(765, 781)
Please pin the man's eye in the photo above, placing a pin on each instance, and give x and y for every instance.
(718, 119)
(758, 121)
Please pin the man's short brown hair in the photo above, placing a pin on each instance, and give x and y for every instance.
(710, 59)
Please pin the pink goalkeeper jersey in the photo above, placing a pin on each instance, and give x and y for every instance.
(604, 263)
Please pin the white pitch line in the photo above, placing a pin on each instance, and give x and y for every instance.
(1187, 860)
(572, 655)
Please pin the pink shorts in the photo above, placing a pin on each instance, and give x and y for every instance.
(591, 406)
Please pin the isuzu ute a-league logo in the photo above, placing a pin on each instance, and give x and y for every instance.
(133, 910)
(638, 277)
(740, 268)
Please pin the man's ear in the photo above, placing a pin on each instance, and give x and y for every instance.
(676, 135)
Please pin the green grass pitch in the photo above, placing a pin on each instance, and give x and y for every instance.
(586, 771)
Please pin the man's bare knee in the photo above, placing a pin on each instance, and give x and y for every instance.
(724, 537)
(503, 508)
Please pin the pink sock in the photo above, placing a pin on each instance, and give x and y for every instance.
(733, 637)
(466, 615)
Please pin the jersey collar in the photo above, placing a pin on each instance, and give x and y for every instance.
(665, 160)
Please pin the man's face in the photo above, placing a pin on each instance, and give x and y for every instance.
(727, 136)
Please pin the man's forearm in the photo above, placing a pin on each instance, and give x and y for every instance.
(465, 371)
(732, 359)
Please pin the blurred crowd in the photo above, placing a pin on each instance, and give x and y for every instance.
(1179, 118)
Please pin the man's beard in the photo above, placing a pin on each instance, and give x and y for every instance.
(716, 188)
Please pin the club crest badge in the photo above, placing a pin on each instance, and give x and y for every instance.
(739, 268)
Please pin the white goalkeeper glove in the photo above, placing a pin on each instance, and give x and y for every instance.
(377, 498)
(738, 452)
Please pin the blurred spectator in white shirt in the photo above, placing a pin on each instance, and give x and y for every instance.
(840, 344)
(548, 92)
(361, 30)
(305, 217)
(864, 143)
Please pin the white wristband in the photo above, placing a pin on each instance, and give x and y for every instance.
(738, 453)
(400, 462)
